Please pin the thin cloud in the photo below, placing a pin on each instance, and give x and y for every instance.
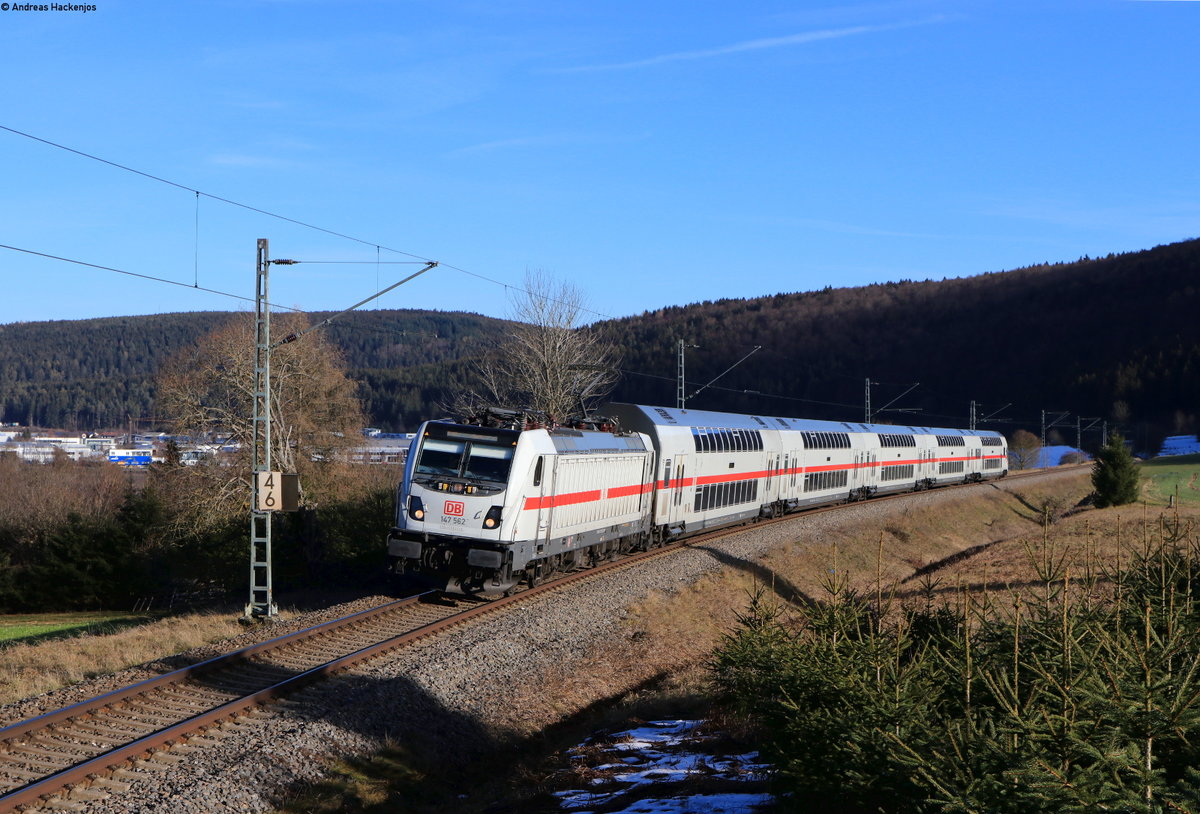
(1151, 219)
(548, 140)
(510, 143)
(249, 161)
(751, 45)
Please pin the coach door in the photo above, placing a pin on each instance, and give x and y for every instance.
(679, 504)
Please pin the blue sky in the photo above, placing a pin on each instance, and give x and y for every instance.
(652, 153)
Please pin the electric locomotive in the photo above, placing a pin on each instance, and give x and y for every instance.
(482, 508)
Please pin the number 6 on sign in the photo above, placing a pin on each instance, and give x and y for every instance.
(278, 492)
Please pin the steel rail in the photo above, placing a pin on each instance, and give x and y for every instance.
(45, 720)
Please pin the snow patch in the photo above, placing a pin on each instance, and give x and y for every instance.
(663, 752)
(1180, 445)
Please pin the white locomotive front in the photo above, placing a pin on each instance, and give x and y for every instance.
(481, 509)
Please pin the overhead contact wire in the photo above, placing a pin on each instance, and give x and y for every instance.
(268, 213)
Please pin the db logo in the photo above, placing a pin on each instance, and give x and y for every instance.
(454, 508)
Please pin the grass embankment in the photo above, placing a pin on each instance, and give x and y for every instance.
(973, 538)
(35, 627)
(1172, 476)
(28, 669)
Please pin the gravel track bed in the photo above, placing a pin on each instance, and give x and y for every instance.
(454, 693)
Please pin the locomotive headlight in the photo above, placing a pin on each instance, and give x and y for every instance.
(492, 519)
(416, 509)
(456, 488)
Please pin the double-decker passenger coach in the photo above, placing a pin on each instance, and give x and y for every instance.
(482, 509)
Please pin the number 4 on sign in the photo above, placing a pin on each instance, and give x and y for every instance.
(278, 492)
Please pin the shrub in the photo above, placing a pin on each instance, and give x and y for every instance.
(1115, 474)
(1057, 703)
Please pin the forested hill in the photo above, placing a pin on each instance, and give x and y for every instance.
(1078, 336)
(1117, 337)
(97, 373)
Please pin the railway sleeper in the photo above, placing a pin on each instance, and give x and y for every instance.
(194, 701)
(159, 711)
(67, 740)
(31, 747)
(192, 693)
(40, 761)
(22, 775)
(150, 714)
(87, 794)
(59, 802)
(102, 731)
(109, 784)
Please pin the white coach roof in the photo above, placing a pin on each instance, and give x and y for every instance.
(633, 415)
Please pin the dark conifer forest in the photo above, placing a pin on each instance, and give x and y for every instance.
(1115, 338)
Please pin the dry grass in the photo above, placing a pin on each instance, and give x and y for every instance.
(987, 527)
(982, 540)
(32, 669)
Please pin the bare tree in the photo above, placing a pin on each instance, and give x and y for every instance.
(315, 415)
(1024, 448)
(550, 365)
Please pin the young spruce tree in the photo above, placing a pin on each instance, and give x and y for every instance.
(1115, 475)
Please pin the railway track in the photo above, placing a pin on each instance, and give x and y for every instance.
(65, 758)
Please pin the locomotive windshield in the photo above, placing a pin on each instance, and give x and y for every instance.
(472, 453)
